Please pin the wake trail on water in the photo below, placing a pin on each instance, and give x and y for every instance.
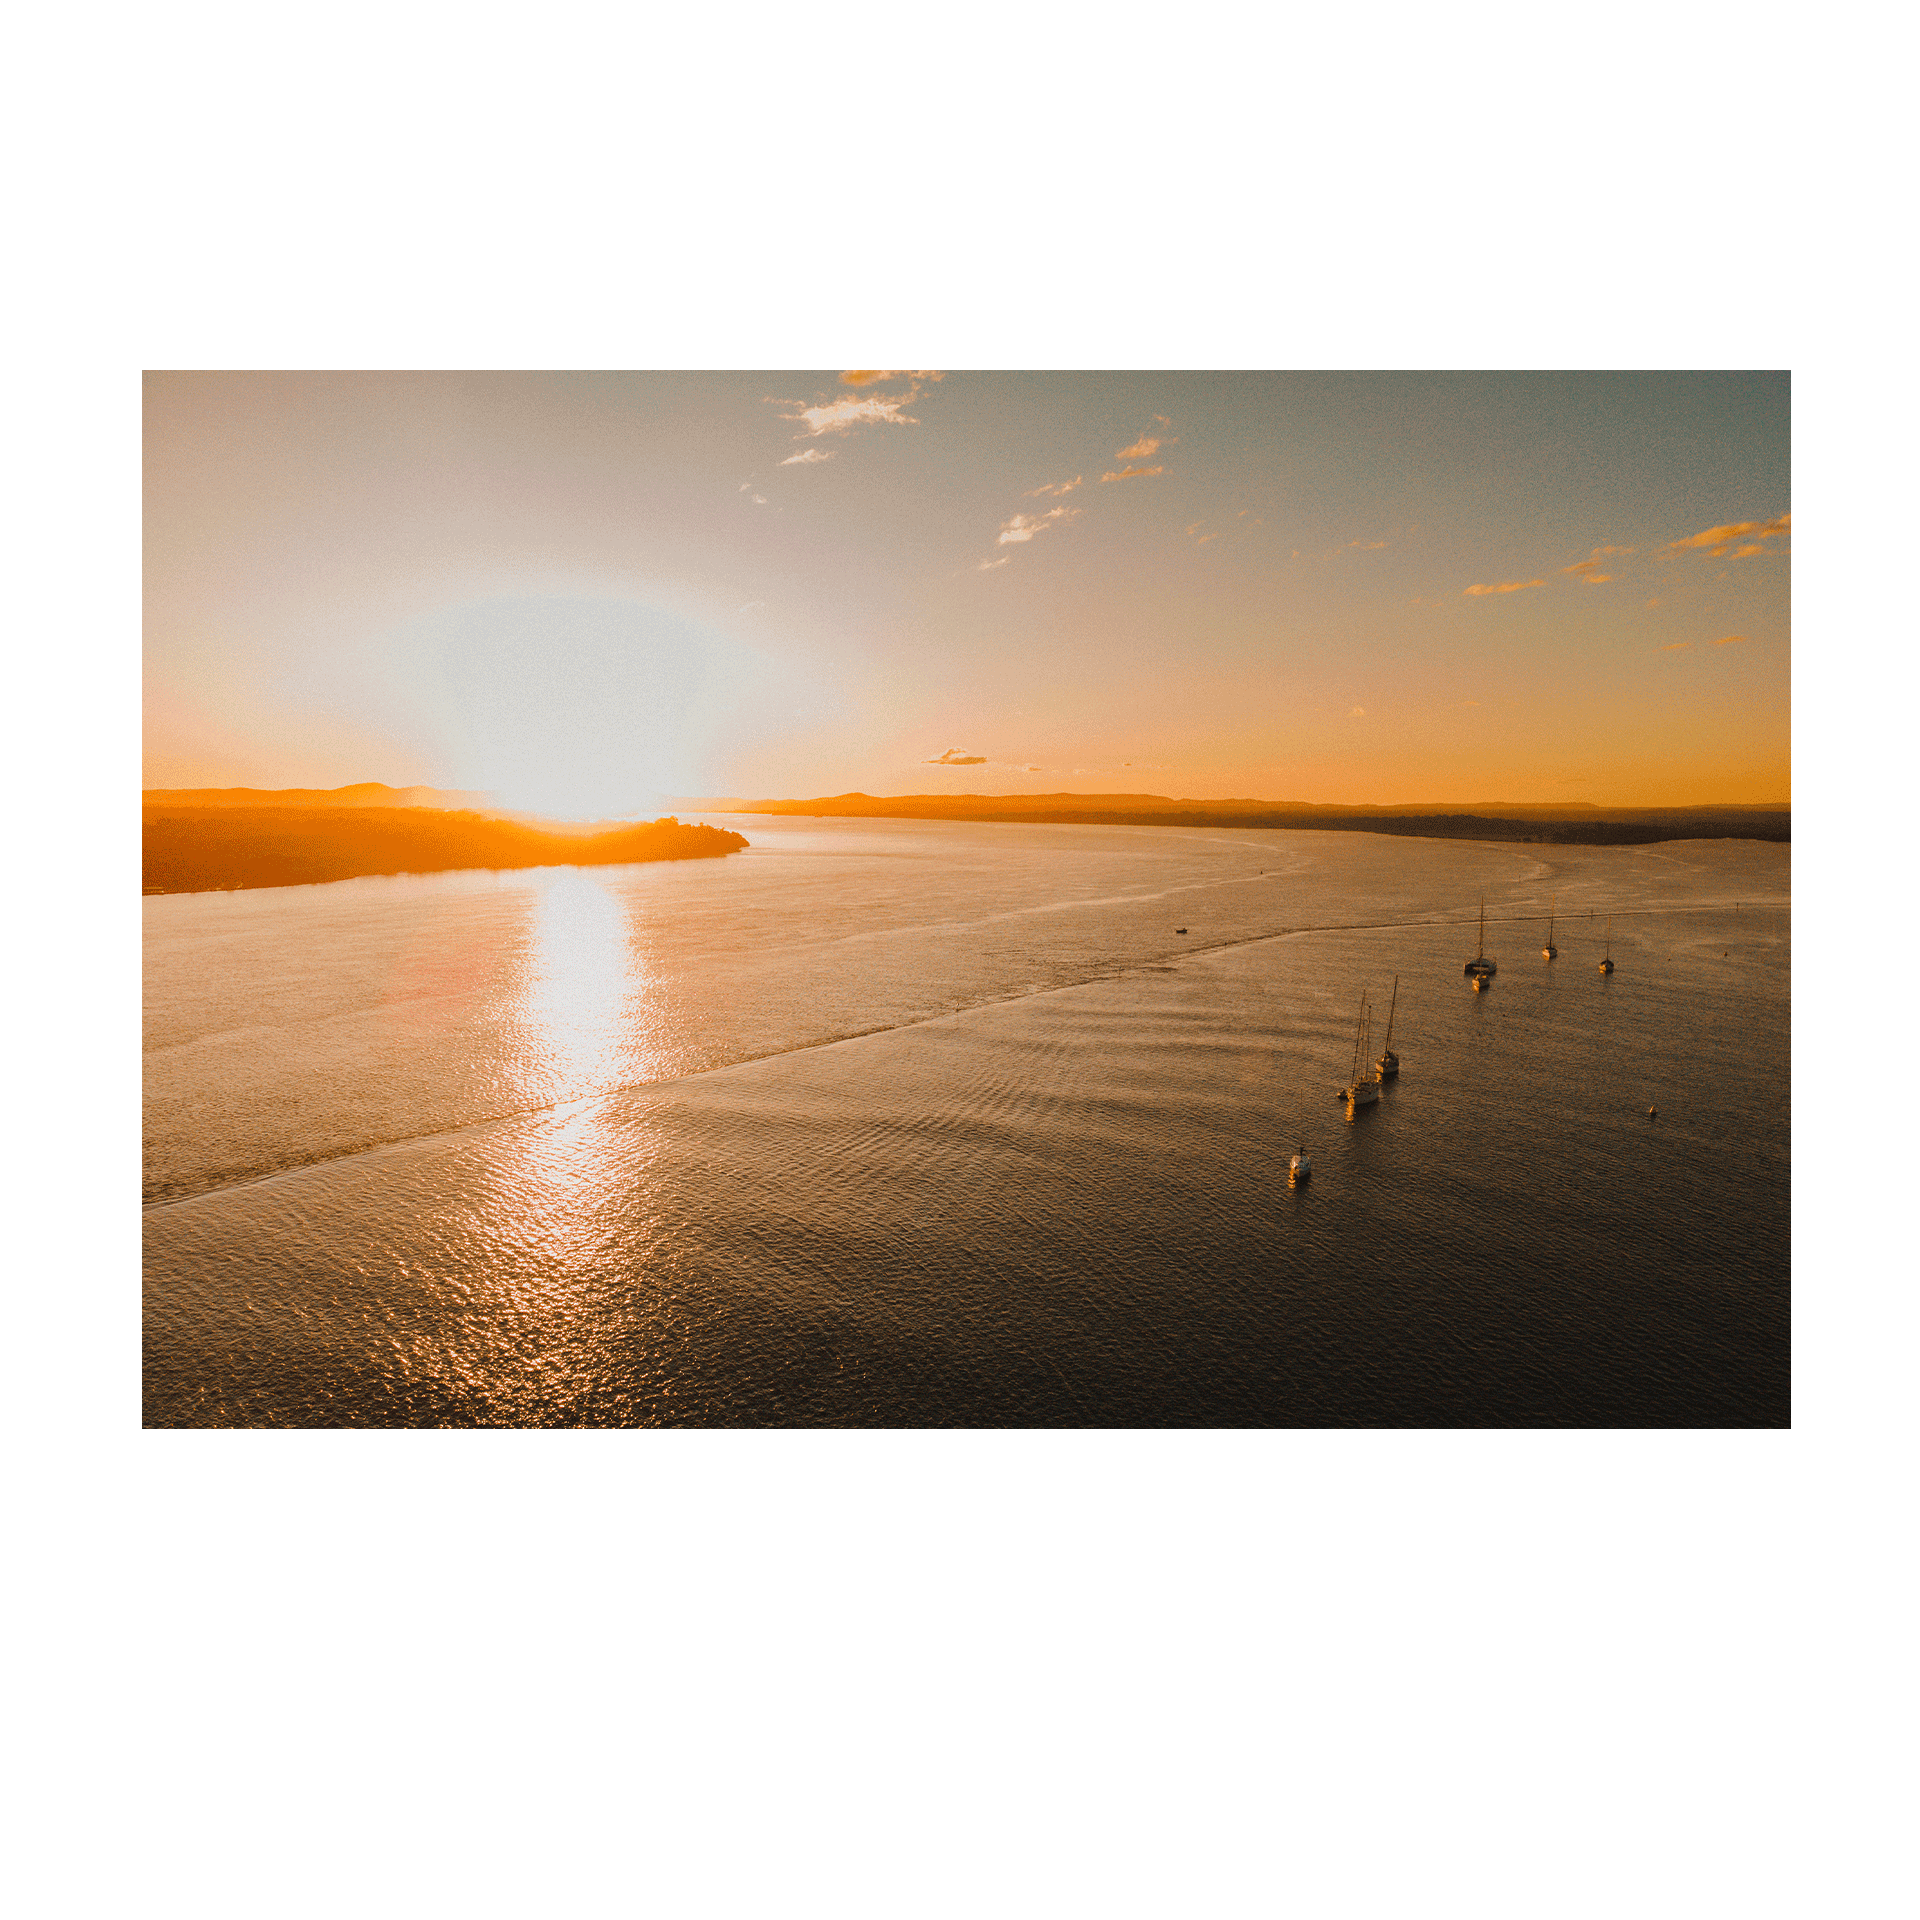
(1198, 952)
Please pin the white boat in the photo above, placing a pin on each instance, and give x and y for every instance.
(1300, 1167)
(1364, 1088)
(1387, 1067)
(1550, 951)
(1480, 967)
(1606, 965)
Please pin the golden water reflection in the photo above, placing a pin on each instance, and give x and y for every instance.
(585, 989)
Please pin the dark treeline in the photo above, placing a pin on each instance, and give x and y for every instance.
(202, 849)
(1575, 825)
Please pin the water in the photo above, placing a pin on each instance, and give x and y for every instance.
(928, 1123)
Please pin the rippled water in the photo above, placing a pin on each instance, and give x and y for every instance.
(926, 1123)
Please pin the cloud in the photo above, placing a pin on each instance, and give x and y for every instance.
(1133, 473)
(866, 376)
(1507, 586)
(1023, 526)
(1033, 769)
(759, 499)
(1356, 713)
(1715, 541)
(1599, 554)
(987, 566)
(1469, 703)
(1676, 646)
(953, 757)
(1064, 486)
(1370, 545)
(1731, 640)
(751, 604)
(806, 457)
(1596, 579)
(838, 415)
(1741, 553)
(1142, 449)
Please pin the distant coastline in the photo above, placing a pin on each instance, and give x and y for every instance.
(202, 846)
(1576, 824)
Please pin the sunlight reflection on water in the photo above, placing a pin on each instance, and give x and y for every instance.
(586, 988)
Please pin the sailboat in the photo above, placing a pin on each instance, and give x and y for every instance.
(1606, 965)
(1550, 951)
(1480, 968)
(1361, 1090)
(1388, 1065)
(1300, 1167)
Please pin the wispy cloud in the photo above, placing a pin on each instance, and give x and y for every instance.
(987, 566)
(953, 757)
(837, 416)
(1023, 526)
(1199, 539)
(866, 376)
(1715, 541)
(1059, 487)
(806, 457)
(1369, 545)
(1506, 586)
(1142, 449)
(1356, 713)
(1133, 473)
(1676, 646)
(1589, 569)
(1731, 640)
(759, 499)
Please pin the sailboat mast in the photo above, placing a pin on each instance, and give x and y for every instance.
(1391, 1004)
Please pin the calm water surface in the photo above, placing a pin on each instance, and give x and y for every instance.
(929, 1123)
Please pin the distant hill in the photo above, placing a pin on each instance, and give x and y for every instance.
(1571, 823)
(203, 849)
(369, 793)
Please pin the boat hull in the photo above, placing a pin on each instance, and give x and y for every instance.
(1363, 1093)
(1387, 1067)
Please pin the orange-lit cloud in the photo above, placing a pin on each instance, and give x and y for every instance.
(1356, 713)
(1142, 449)
(987, 566)
(1063, 486)
(1589, 569)
(1369, 545)
(953, 757)
(839, 415)
(1023, 526)
(805, 457)
(1507, 586)
(1676, 646)
(866, 376)
(1133, 473)
(1730, 640)
(1715, 541)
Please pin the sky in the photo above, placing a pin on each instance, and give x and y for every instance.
(594, 594)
